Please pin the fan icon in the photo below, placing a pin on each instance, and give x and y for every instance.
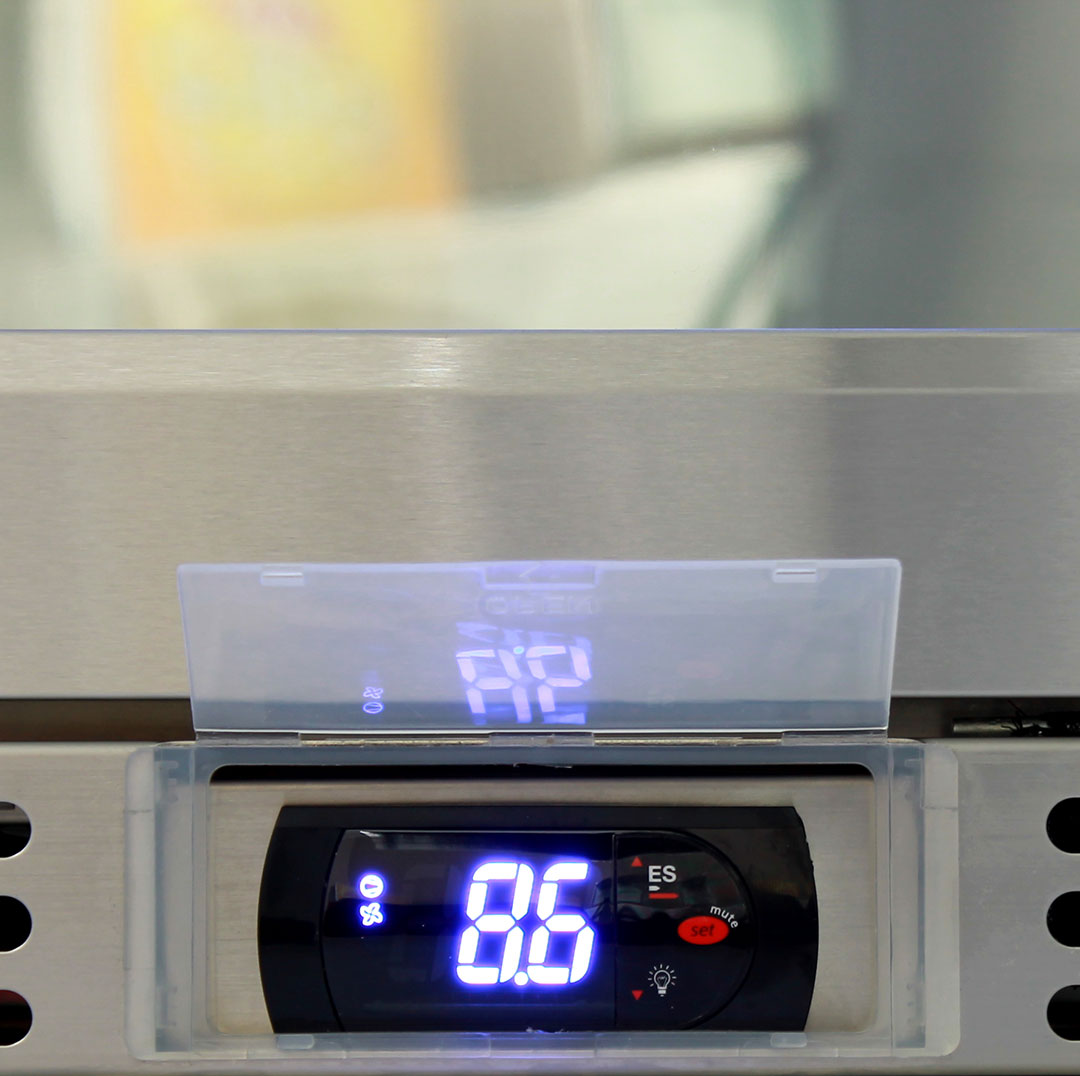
(371, 915)
(662, 977)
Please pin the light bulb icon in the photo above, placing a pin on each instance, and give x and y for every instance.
(662, 977)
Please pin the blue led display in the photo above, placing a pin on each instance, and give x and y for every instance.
(369, 889)
(523, 960)
(517, 927)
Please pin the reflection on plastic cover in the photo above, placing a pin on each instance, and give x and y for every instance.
(244, 114)
(394, 163)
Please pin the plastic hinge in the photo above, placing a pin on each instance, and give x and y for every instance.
(541, 739)
(821, 737)
(259, 738)
(516, 738)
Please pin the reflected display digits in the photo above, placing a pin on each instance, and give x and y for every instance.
(517, 669)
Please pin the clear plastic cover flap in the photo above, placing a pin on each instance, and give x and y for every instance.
(756, 646)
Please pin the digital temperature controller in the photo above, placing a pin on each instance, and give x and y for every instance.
(552, 918)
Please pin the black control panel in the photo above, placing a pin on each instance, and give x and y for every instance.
(553, 918)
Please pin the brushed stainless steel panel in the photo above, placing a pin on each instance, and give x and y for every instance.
(72, 878)
(122, 455)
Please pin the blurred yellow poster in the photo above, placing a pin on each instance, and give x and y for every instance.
(239, 114)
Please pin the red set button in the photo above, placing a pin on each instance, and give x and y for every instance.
(703, 930)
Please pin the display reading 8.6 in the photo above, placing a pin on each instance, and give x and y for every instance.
(373, 919)
(520, 961)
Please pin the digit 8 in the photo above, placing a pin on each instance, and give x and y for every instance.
(487, 922)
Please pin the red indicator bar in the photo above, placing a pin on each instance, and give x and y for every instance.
(663, 896)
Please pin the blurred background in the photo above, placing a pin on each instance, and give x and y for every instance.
(539, 163)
